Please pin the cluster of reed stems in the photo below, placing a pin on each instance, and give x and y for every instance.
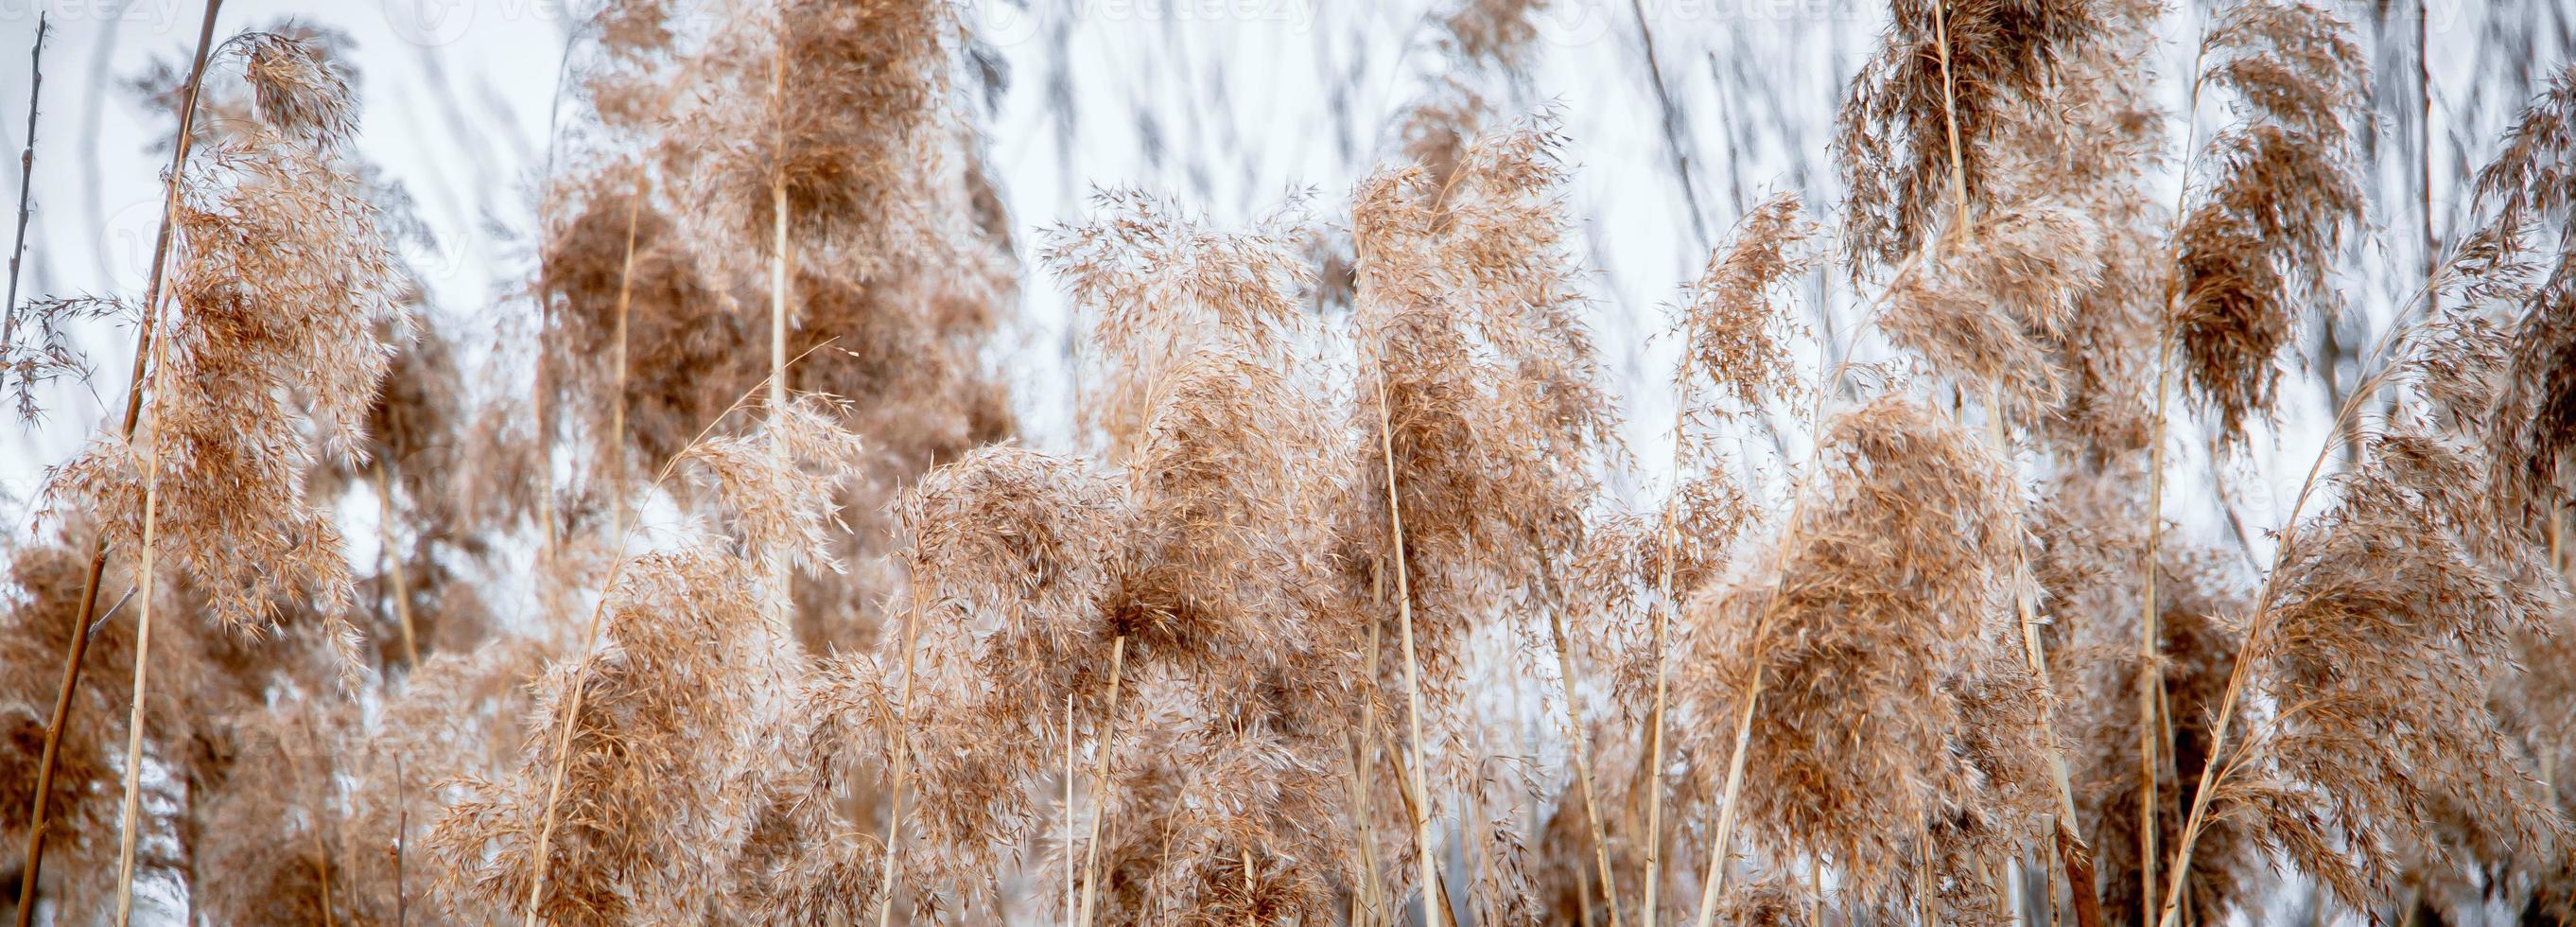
(725, 616)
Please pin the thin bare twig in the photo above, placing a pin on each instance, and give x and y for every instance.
(26, 188)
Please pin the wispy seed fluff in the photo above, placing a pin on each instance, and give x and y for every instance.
(1739, 331)
(1738, 362)
(1473, 354)
(1013, 553)
(1242, 651)
(2532, 427)
(2388, 626)
(280, 287)
(1986, 309)
(1943, 63)
(1876, 595)
(2261, 232)
(674, 744)
(681, 716)
(1161, 287)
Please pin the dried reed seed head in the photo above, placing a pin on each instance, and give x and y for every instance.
(858, 118)
(1871, 605)
(2539, 705)
(1478, 398)
(1010, 527)
(2380, 649)
(902, 349)
(2532, 428)
(46, 351)
(1204, 787)
(1617, 579)
(1737, 333)
(1494, 33)
(297, 89)
(1153, 275)
(681, 716)
(2529, 187)
(1984, 310)
(1484, 43)
(1228, 454)
(1162, 286)
(2107, 350)
(2085, 146)
(2261, 234)
(866, 128)
(636, 29)
(1229, 561)
(1893, 141)
(2290, 64)
(38, 611)
(621, 71)
(428, 443)
(281, 285)
(335, 800)
(675, 332)
(2003, 742)
(1773, 901)
(1013, 555)
(200, 675)
(777, 484)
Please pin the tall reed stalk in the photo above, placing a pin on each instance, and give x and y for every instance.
(128, 822)
(2150, 659)
(1579, 741)
(1437, 908)
(784, 605)
(145, 351)
(1100, 780)
(2077, 854)
(889, 870)
(1650, 899)
(394, 565)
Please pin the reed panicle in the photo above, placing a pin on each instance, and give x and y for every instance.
(280, 283)
(690, 686)
(1985, 312)
(1942, 74)
(1868, 603)
(2528, 188)
(2258, 238)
